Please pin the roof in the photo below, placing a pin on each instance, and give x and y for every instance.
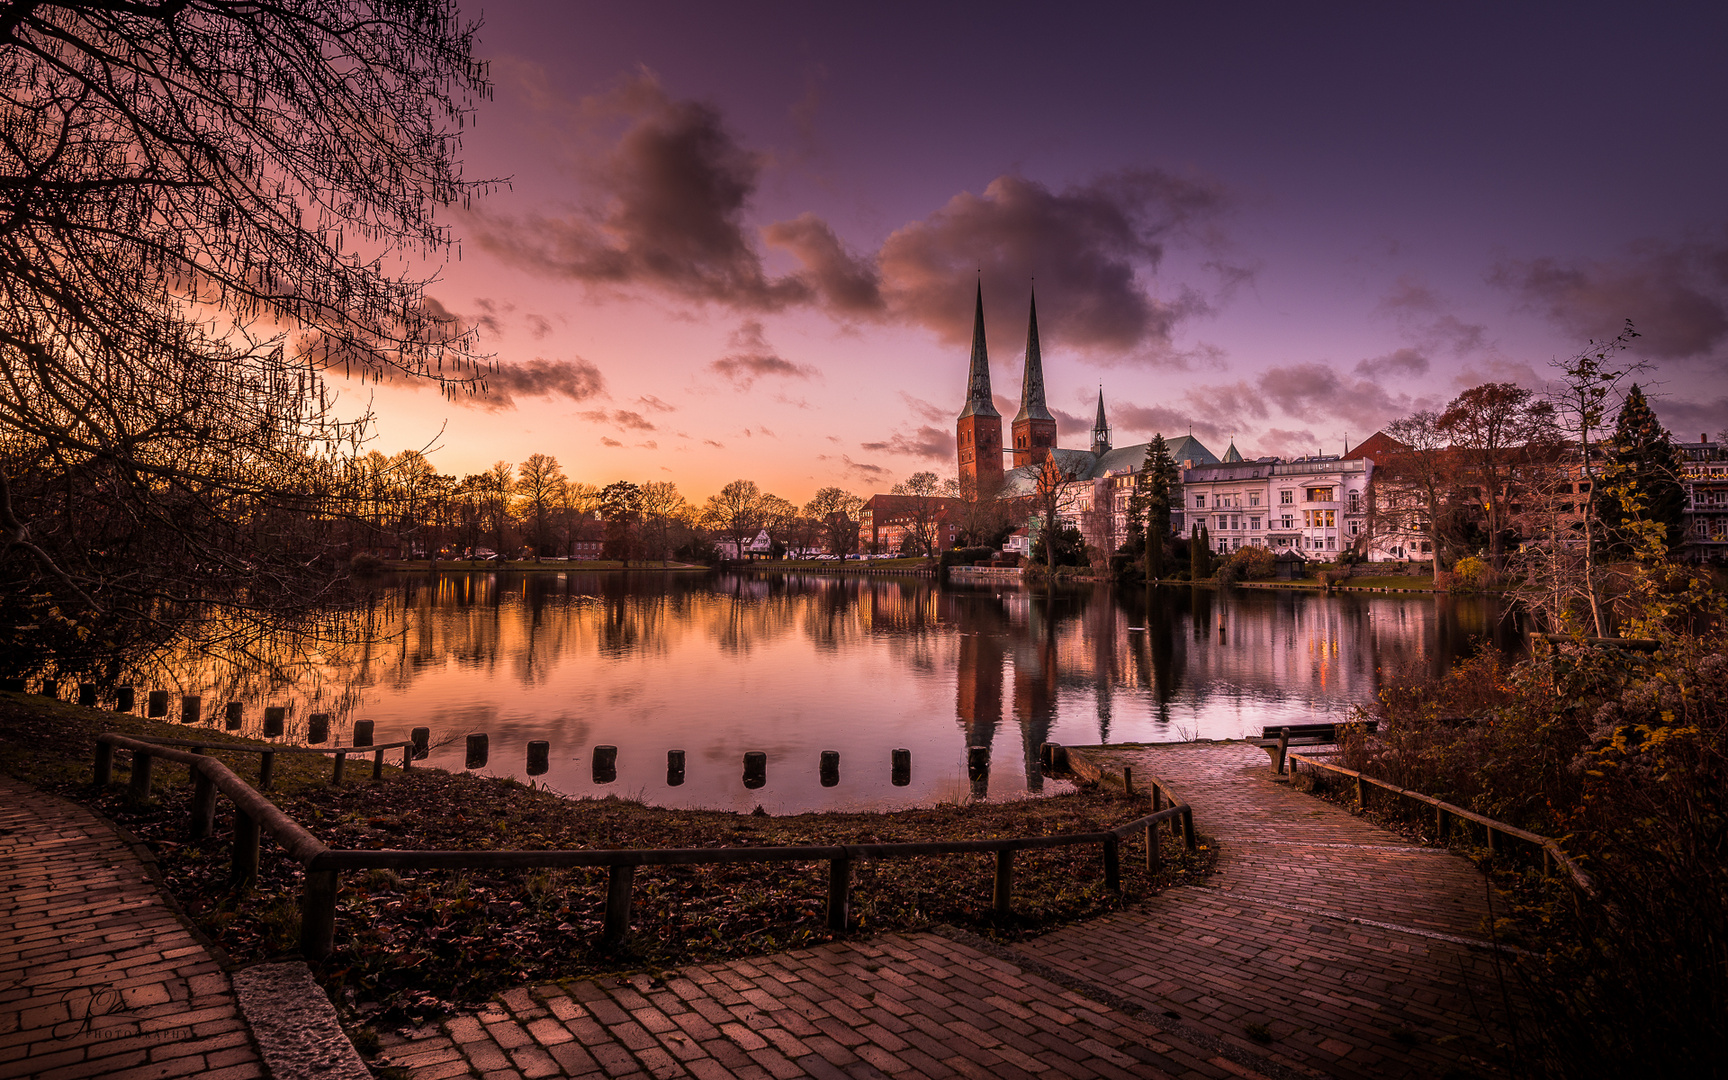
(1377, 447)
(978, 399)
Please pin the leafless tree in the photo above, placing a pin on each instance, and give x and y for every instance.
(1491, 427)
(661, 507)
(926, 499)
(198, 207)
(837, 511)
(736, 513)
(539, 486)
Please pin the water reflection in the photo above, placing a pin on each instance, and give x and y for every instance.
(793, 665)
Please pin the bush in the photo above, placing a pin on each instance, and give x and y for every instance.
(1471, 573)
(1252, 563)
(970, 556)
(1070, 546)
(365, 564)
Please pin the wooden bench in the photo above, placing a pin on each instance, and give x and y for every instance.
(1277, 739)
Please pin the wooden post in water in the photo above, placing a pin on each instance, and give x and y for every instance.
(317, 728)
(839, 893)
(191, 709)
(479, 749)
(618, 883)
(362, 733)
(124, 699)
(1002, 892)
(275, 716)
(605, 766)
(900, 767)
(51, 688)
(87, 694)
(828, 768)
(158, 704)
(422, 739)
(674, 768)
(977, 762)
(539, 757)
(231, 714)
(755, 769)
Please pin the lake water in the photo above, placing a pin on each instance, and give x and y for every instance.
(791, 665)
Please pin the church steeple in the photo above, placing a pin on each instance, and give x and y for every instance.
(1034, 427)
(978, 431)
(978, 398)
(1100, 429)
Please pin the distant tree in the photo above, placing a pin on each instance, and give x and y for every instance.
(577, 504)
(1491, 428)
(736, 513)
(1199, 553)
(780, 518)
(621, 510)
(1413, 487)
(982, 515)
(927, 504)
(1060, 546)
(1157, 490)
(539, 487)
(662, 507)
(837, 511)
(495, 485)
(1053, 497)
(1641, 491)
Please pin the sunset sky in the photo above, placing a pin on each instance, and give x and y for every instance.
(741, 240)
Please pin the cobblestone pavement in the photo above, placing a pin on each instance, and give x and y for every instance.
(98, 977)
(1325, 946)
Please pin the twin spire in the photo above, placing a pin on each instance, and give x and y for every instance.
(1032, 383)
(979, 399)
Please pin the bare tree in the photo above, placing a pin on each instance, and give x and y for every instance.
(837, 512)
(925, 499)
(736, 513)
(196, 202)
(779, 517)
(1414, 486)
(495, 484)
(1491, 426)
(1054, 496)
(661, 507)
(539, 485)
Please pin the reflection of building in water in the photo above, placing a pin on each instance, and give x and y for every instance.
(988, 638)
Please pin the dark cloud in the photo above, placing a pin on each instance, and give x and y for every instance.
(605, 441)
(1397, 363)
(1149, 420)
(869, 473)
(671, 197)
(927, 442)
(715, 445)
(652, 402)
(494, 315)
(621, 418)
(577, 380)
(1687, 418)
(538, 325)
(1427, 320)
(1675, 294)
(1091, 247)
(1317, 390)
(753, 358)
(1071, 425)
(671, 194)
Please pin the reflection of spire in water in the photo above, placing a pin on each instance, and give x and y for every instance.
(1035, 692)
(983, 627)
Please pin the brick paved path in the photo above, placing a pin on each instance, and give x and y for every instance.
(1166, 990)
(98, 978)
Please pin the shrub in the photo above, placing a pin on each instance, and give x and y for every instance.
(1471, 572)
(1253, 563)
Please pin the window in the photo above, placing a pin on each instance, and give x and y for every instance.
(1200, 501)
(1289, 522)
(1320, 494)
(1355, 502)
(1330, 543)
(1331, 518)
(1223, 522)
(1253, 498)
(1253, 524)
(1286, 497)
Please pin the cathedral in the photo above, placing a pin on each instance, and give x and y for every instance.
(979, 434)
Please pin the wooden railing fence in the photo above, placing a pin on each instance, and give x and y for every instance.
(1446, 814)
(255, 815)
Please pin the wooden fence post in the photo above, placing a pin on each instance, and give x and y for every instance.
(1188, 840)
(140, 786)
(341, 768)
(318, 914)
(1361, 794)
(104, 764)
(1003, 892)
(1127, 781)
(266, 770)
(203, 803)
(619, 880)
(1283, 748)
(377, 764)
(245, 848)
(1154, 856)
(839, 893)
(1113, 864)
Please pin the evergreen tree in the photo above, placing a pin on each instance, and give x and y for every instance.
(1157, 487)
(1641, 483)
(1200, 553)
